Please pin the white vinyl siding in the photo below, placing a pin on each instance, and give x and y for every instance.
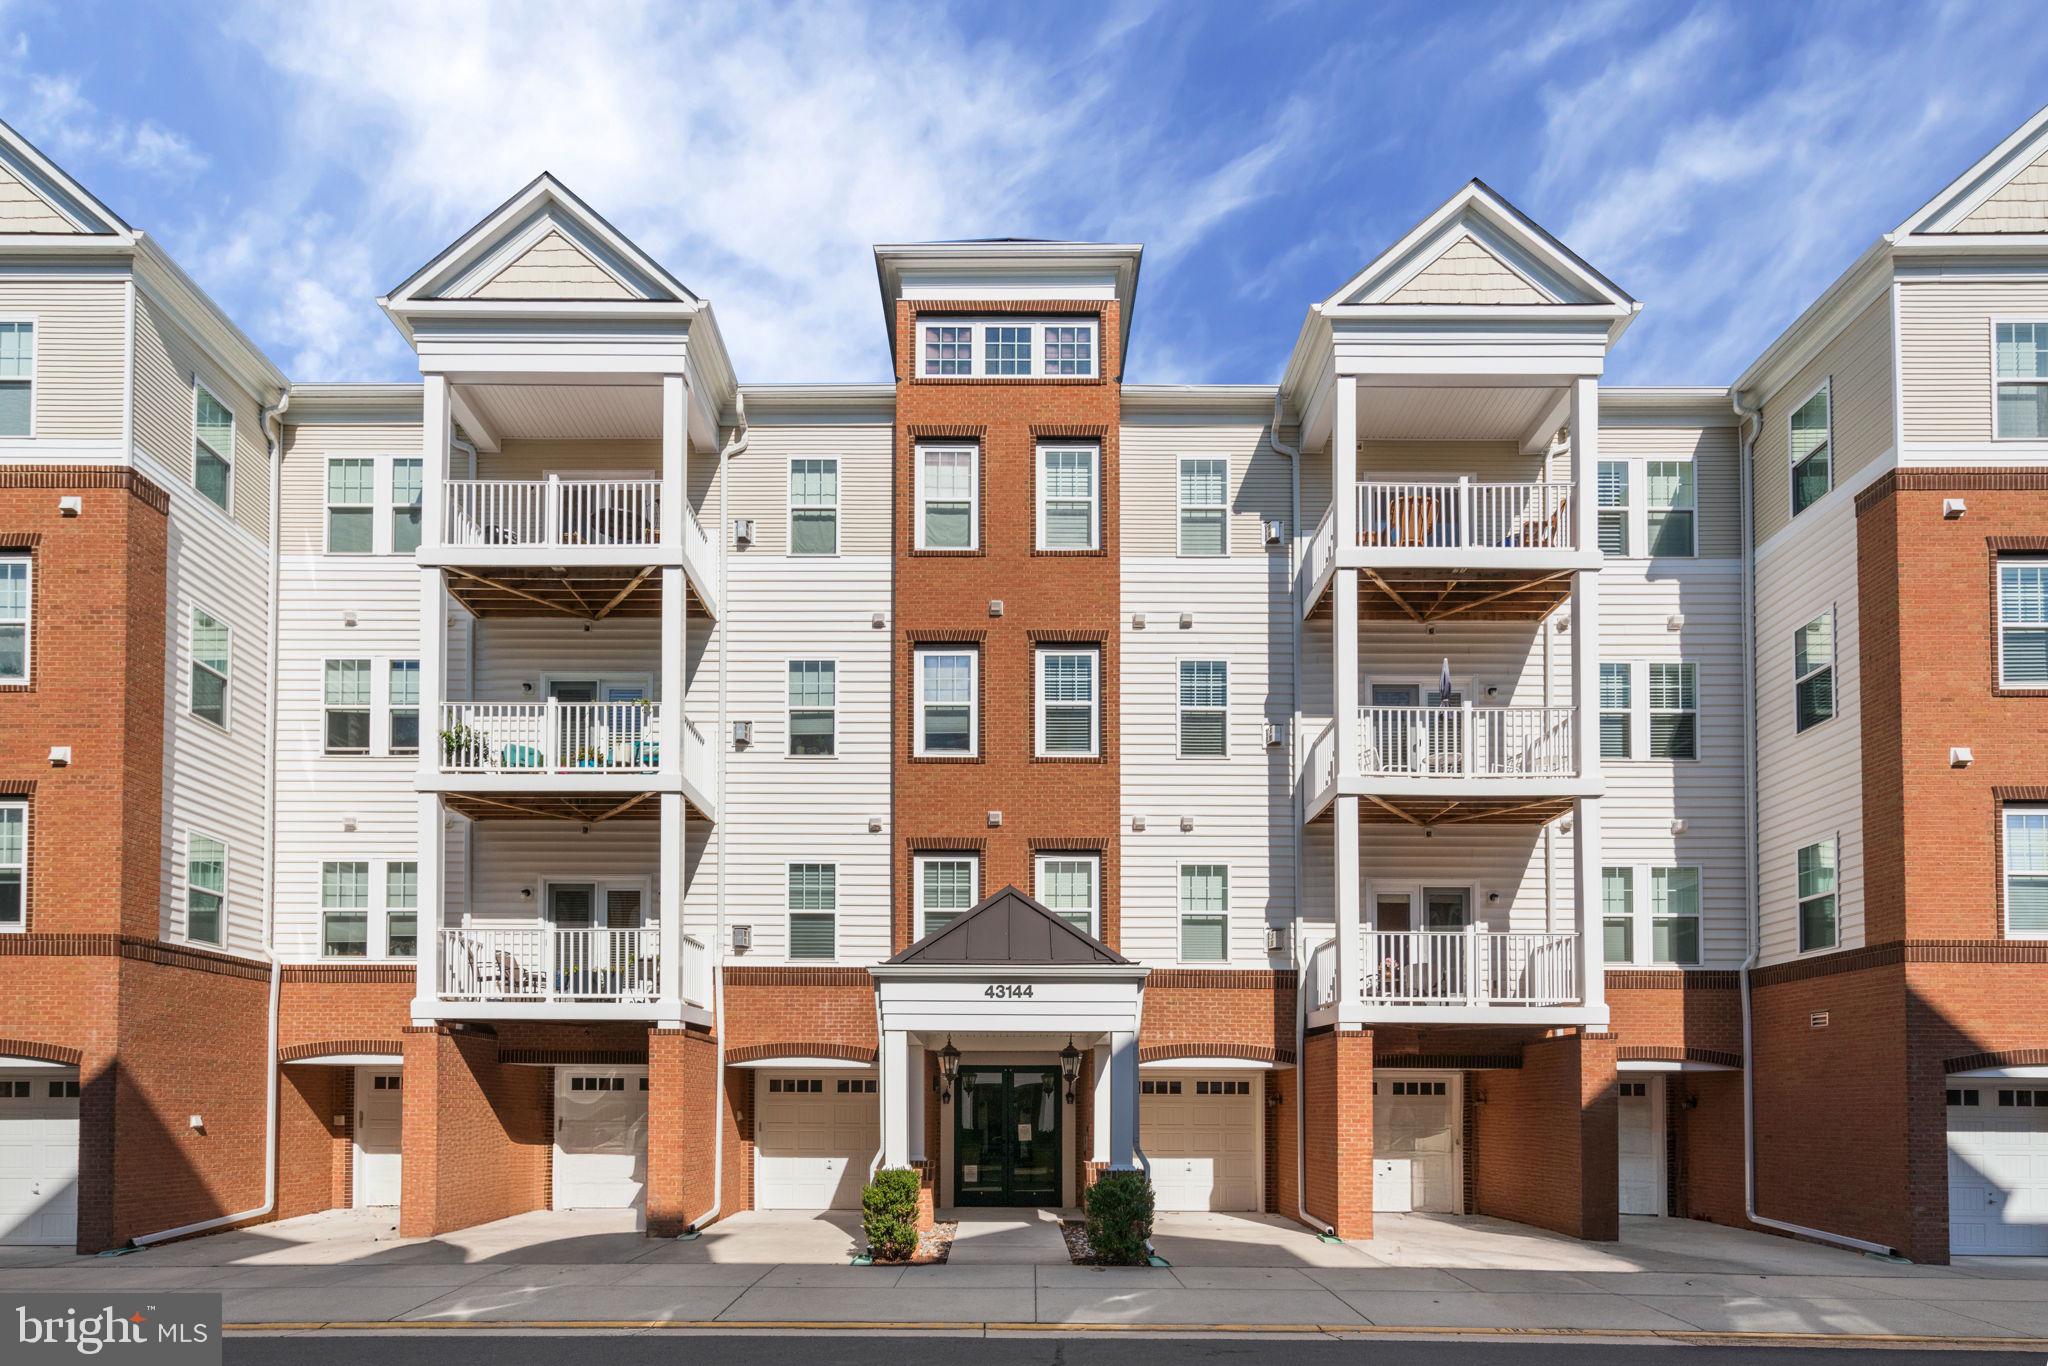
(1069, 886)
(2026, 872)
(17, 378)
(1007, 348)
(1204, 709)
(1204, 506)
(1069, 704)
(947, 887)
(948, 702)
(17, 616)
(1204, 912)
(813, 708)
(213, 448)
(212, 649)
(1818, 916)
(814, 506)
(1647, 446)
(862, 451)
(13, 866)
(1810, 446)
(1813, 671)
(813, 910)
(2020, 406)
(76, 340)
(2022, 622)
(948, 497)
(206, 887)
(1068, 506)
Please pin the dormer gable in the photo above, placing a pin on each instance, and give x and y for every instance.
(2004, 194)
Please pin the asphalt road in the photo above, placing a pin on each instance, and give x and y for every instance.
(441, 1348)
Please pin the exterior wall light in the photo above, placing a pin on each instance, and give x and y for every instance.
(1070, 1066)
(949, 1071)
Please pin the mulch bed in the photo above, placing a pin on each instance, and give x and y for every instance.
(934, 1245)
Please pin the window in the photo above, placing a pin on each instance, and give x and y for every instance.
(948, 349)
(1223, 1088)
(1204, 708)
(1066, 887)
(2022, 622)
(2018, 1098)
(947, 887)
(948, 697)
(351, 506)
(403, 736)
(407, 492)
(2022, 383)
(814, 507)
(206, 888)
(210, 653)
(1204, 507)
(1618, 913)
(1616, 686)
(1812, 449)
(1675, 915)
(1008, 348)
(813, 708)
(1005, 349)
(1069, 349)
(1204, 912)
(813, 910)
(1612, 488)
(1066, 497)
(1813, 670)
(1817, 896)
(796, 1086)
(1159, 1088)
(348, 706)
(948, 497)
(345, 910)
(213, 447)
(16, 573)
(1673, 507)
(13, 865)
(2026, 871)
(854, 1086)
(401, 910)
(1066, 702)
(1960, 1097)
(1674, 711)
(17, 378)
(1414, 1088)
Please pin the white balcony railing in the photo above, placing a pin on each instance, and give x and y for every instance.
(542, 963)
(506, 513)
(1469, 967)
(696, 973)
(1319, 768)
(1465, 742)
(550, 737)
(1466, 514)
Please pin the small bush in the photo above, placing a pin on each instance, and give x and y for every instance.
(1120, 1218)
(888, 1207)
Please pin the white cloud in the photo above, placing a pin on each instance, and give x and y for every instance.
(58, 117)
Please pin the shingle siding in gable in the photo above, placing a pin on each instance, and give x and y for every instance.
(553, 268)
(1467, 273)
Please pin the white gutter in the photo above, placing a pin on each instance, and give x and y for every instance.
(1747, 420)
(273, 437)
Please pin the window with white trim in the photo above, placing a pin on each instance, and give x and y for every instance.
(402, 707)
(1069, 886)
(1204, 506)
(1817, 896)
(213, 448)
(1618, 913)
(13, 865)
(345, 909)
(212, 649)
(206, 888)
(1204, 708)
(1675, 915)
(947, 886)
(1067, 497)
(948, 498)
(346, 688)
(1204, 912)
(1810, 447)
(17, 575)
(2022, 381)
(813, 708)
(1673, 507)
(1068, 702)
(2022, 622)
(1674, 711)
(814, 505)
(1611, 488)
(1616, 688)
(17, 378)
(401, 909)
(351, 505)
(408, 494)
(2026, 872)
(1008, 348)
(948, 700)
(1068, 348)
(948, 349)
(813, 910)
(1005, 349)
(1813, 671)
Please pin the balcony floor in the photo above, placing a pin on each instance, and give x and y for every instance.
(583, 592)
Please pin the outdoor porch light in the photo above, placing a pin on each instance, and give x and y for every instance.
(1070, 1066)
(949, 1071)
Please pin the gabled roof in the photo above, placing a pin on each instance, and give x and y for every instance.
(2005, 192)
(37, 198)
(1010, 928)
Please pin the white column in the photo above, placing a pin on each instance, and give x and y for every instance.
(895, 1103)
(1344, 462)
(435, 432)
(675, 458)
(670, 901)
(1585, 648)
(1344, 672)
(1586, 876)
(1123, 1100)
(1585, 438)
(1104, 1090)
(433, 883)
(675, 650)
(914, 1093)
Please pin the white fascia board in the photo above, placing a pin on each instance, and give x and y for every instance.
(1310, 366)
(1122, 259)
(528, 784)
(814, 402)
(1707, 404)
(10, 1064)
(989, 972)
(2001, 1074)
(64, 193)
(1469, 789)
(1989, 174)
(1249, 399)
(354, 403)
(166, 282)
(1816, 325)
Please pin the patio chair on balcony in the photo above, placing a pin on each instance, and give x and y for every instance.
(1543, 533)
(1411, 521)
(521, 756)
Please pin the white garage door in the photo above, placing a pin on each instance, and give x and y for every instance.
(39, 1156)
(1415, 1144)
(1641, 1134)
(815, 1135)
(1998, 1170)
(1201, 1135)
(600, 1137)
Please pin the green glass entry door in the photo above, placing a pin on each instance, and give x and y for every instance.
(1006, 1136)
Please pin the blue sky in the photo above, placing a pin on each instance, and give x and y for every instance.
(1721, 161)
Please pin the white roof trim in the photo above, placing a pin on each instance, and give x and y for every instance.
(13, 1064)
(1661, 1065)
(2002, 1074)
(64, 194)
(349, 1060)
(807, 1064)
(1963, 195)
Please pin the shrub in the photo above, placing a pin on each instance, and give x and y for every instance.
(888, 1207)
(1120, 1218)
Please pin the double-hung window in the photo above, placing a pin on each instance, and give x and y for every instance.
(1812, 447)
(2022, 622)
(408, 491)
(1204, 912)
(401, 910)
(13, 865)
(2022, 369)
(1616, 690)
(1813, 671)
(1068, 701)
(948, 498)
(814, 506)
(1204, 506)
(1067, 887)
(351, 506)
(1673, 507)
(402, 735)
(345, 909)
(2026, 872)
(211, 652)
(1204, 708)
(1066, 497)
(947, 887)
(1674, 711)
(1611, 485)
(1675, 915)
(347, 697)
(813, 708)
(213, 447)
(1618, 913)
(947, 700)
(206, 888)
(1817, 896)
(17, 378)
(813, 910)
(17, 573)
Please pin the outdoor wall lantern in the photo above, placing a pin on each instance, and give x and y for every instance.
(949, 1071)
(1070, 1066)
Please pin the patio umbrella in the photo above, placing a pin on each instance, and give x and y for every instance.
(1443, 684)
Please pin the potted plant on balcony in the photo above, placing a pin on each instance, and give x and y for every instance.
(465, 747)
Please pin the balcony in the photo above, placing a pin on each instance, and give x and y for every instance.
(552, 513)
(550, 737)
(541, 970)
(1466, 742)
(1465, 515)
(1468, 967)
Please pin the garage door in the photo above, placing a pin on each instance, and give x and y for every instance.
(600, 1137)
(1641, 1134)
(1998, 1171)
(1415, 1145)
(1201, 1135)
(39, 1157)
(815, 1136)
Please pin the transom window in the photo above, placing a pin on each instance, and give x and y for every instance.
(948, 498)
(1612, 489)
(1066, 497)
(1204, 912)
(1204, 506)
(1673, 511)
(814, 506)
(13, 865)
(351, 506)
(2022, 622)
(1674, 711)
(1067, 886)
(16, 574)
(2022, 369)
(1616, 688)
(210, 655)
(1067, 702)
(947, 700)
(813, 910)
(948, 885)
(2026, 872)
(206, 888)
(1008, 348)
(813, 708)
(1811, 448)
(1204, 708)
(213, 447)
(1817, 896)
(17, 378)
(1813, 670)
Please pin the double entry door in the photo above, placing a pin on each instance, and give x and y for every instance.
(1006, 1136)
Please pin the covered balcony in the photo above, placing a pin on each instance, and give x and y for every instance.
(553, 965)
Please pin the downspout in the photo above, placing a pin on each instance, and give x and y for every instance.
(273, 430)
(1747, 421)
(735, 446)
